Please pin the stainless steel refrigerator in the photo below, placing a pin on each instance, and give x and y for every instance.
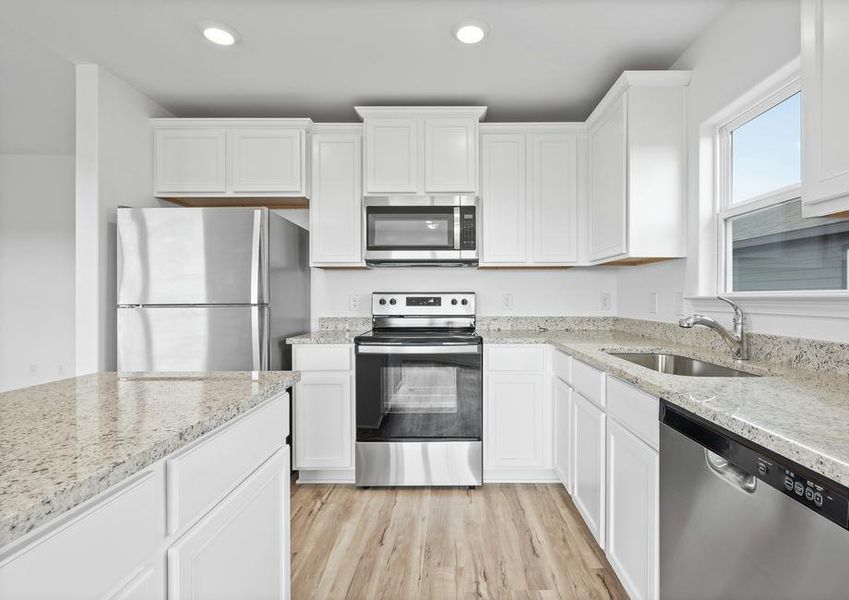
(209, 289)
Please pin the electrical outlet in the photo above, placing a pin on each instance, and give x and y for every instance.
(507, 301)
(354, 303)
(61, 371)
(653, 303)
(33, 370)
(679, 303)
(605, 301)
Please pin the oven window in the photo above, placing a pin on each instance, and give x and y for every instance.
(410, 228)
(414, 397)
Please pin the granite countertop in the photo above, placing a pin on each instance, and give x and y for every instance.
(801, 415)
(326, 336)
(62, 443)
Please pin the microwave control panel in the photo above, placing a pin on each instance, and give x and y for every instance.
(468, 228)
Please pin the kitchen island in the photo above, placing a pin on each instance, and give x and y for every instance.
(83, 469)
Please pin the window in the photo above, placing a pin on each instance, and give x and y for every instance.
(768, 245)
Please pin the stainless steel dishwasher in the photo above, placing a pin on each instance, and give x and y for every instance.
(738, 522)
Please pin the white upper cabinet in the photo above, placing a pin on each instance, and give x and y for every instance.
(451, 155)
(529, 194)
(190, 160)
(637, 169)
(421, 150)
(336, 196)
(267, 160)
(825, 96)
(220, 158)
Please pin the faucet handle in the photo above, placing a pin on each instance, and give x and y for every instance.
(738, 312)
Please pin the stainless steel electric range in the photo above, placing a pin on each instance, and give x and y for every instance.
(419, 392)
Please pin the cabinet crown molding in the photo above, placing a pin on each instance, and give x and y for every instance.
(248, 123)
(628, 79)
(421, 111)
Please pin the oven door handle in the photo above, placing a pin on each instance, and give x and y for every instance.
(412, 349)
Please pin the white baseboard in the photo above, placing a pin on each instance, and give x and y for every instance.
(520, 476)
(344, 476)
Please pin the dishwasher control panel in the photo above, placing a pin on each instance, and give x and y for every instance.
(813, 493)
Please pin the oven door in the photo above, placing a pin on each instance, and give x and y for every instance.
(419, 393)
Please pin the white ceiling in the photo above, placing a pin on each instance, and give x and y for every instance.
(543, 59)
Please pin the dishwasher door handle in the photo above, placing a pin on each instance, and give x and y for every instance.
(730, 473)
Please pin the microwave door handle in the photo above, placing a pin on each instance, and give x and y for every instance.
(456, 228)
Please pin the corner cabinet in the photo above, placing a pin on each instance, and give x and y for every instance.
(825, 96)
(637, 159)
(336, 201)
(529, 194)
(221, 158)
(420, 150)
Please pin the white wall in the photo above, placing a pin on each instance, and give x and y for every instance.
(36, 213)
(114, 144)
(747, 43)
(534, 292)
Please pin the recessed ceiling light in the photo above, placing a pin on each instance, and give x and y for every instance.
(218, 33)
(470, 32)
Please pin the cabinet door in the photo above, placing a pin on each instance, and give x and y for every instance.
(608, 184)
(588, 482)
(825, 122)
(553, 186)
(450, 155)
(190, 160)
(336, 201)
(392, 162)
(503, 199)
(266, 160)
(632, 511)
(237, 550)
(514, 422)
(563, 432)
(324, 422)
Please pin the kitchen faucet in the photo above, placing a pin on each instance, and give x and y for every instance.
(736, 338)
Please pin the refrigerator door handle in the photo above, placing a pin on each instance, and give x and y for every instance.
(259, 338)
(256, 257)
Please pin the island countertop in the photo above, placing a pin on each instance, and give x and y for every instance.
(62, 443)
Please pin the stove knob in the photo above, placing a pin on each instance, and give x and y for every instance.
(392, 301)
(454, 301)
(382, 301)
(465, 302)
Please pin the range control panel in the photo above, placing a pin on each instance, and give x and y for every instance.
(815, 494)
(402, 304)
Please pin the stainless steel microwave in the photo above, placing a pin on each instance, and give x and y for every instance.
(421, 231)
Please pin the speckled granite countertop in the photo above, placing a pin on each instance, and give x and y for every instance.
(63, 442)
(326, 336)
(801, 415)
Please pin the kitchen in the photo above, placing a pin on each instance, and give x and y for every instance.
(442, 322)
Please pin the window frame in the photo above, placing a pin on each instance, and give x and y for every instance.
(724, 208)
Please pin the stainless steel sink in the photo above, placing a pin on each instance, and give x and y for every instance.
(674, 364)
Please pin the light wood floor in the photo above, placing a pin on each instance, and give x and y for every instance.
(497, 541)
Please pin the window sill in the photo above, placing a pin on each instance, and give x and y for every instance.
(824, 304)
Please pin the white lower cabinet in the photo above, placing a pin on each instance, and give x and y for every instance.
(323, 421)
(513, 436)
(236, 551)
(562, 394)
(588, 450)
(632, 511)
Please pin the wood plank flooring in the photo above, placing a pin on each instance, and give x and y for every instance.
(497, 541)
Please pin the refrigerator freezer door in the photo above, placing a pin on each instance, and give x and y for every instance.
(211, 338)
(192, 256)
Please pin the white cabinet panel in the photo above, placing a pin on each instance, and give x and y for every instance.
(589, 382)
(324, 421)
(608, 183)
(503, 199)
(562, 394)
(588, 473)
(450, 155)
(266, 160)
(190, 160)
(515, 422)
(635, 409)
(150, 584)
(825, 96)
(553, 184)
(336, 200)
(95, 548)
(323, 357)
(236, 551)
(392, 162)
(519, 357)
(632, 517)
